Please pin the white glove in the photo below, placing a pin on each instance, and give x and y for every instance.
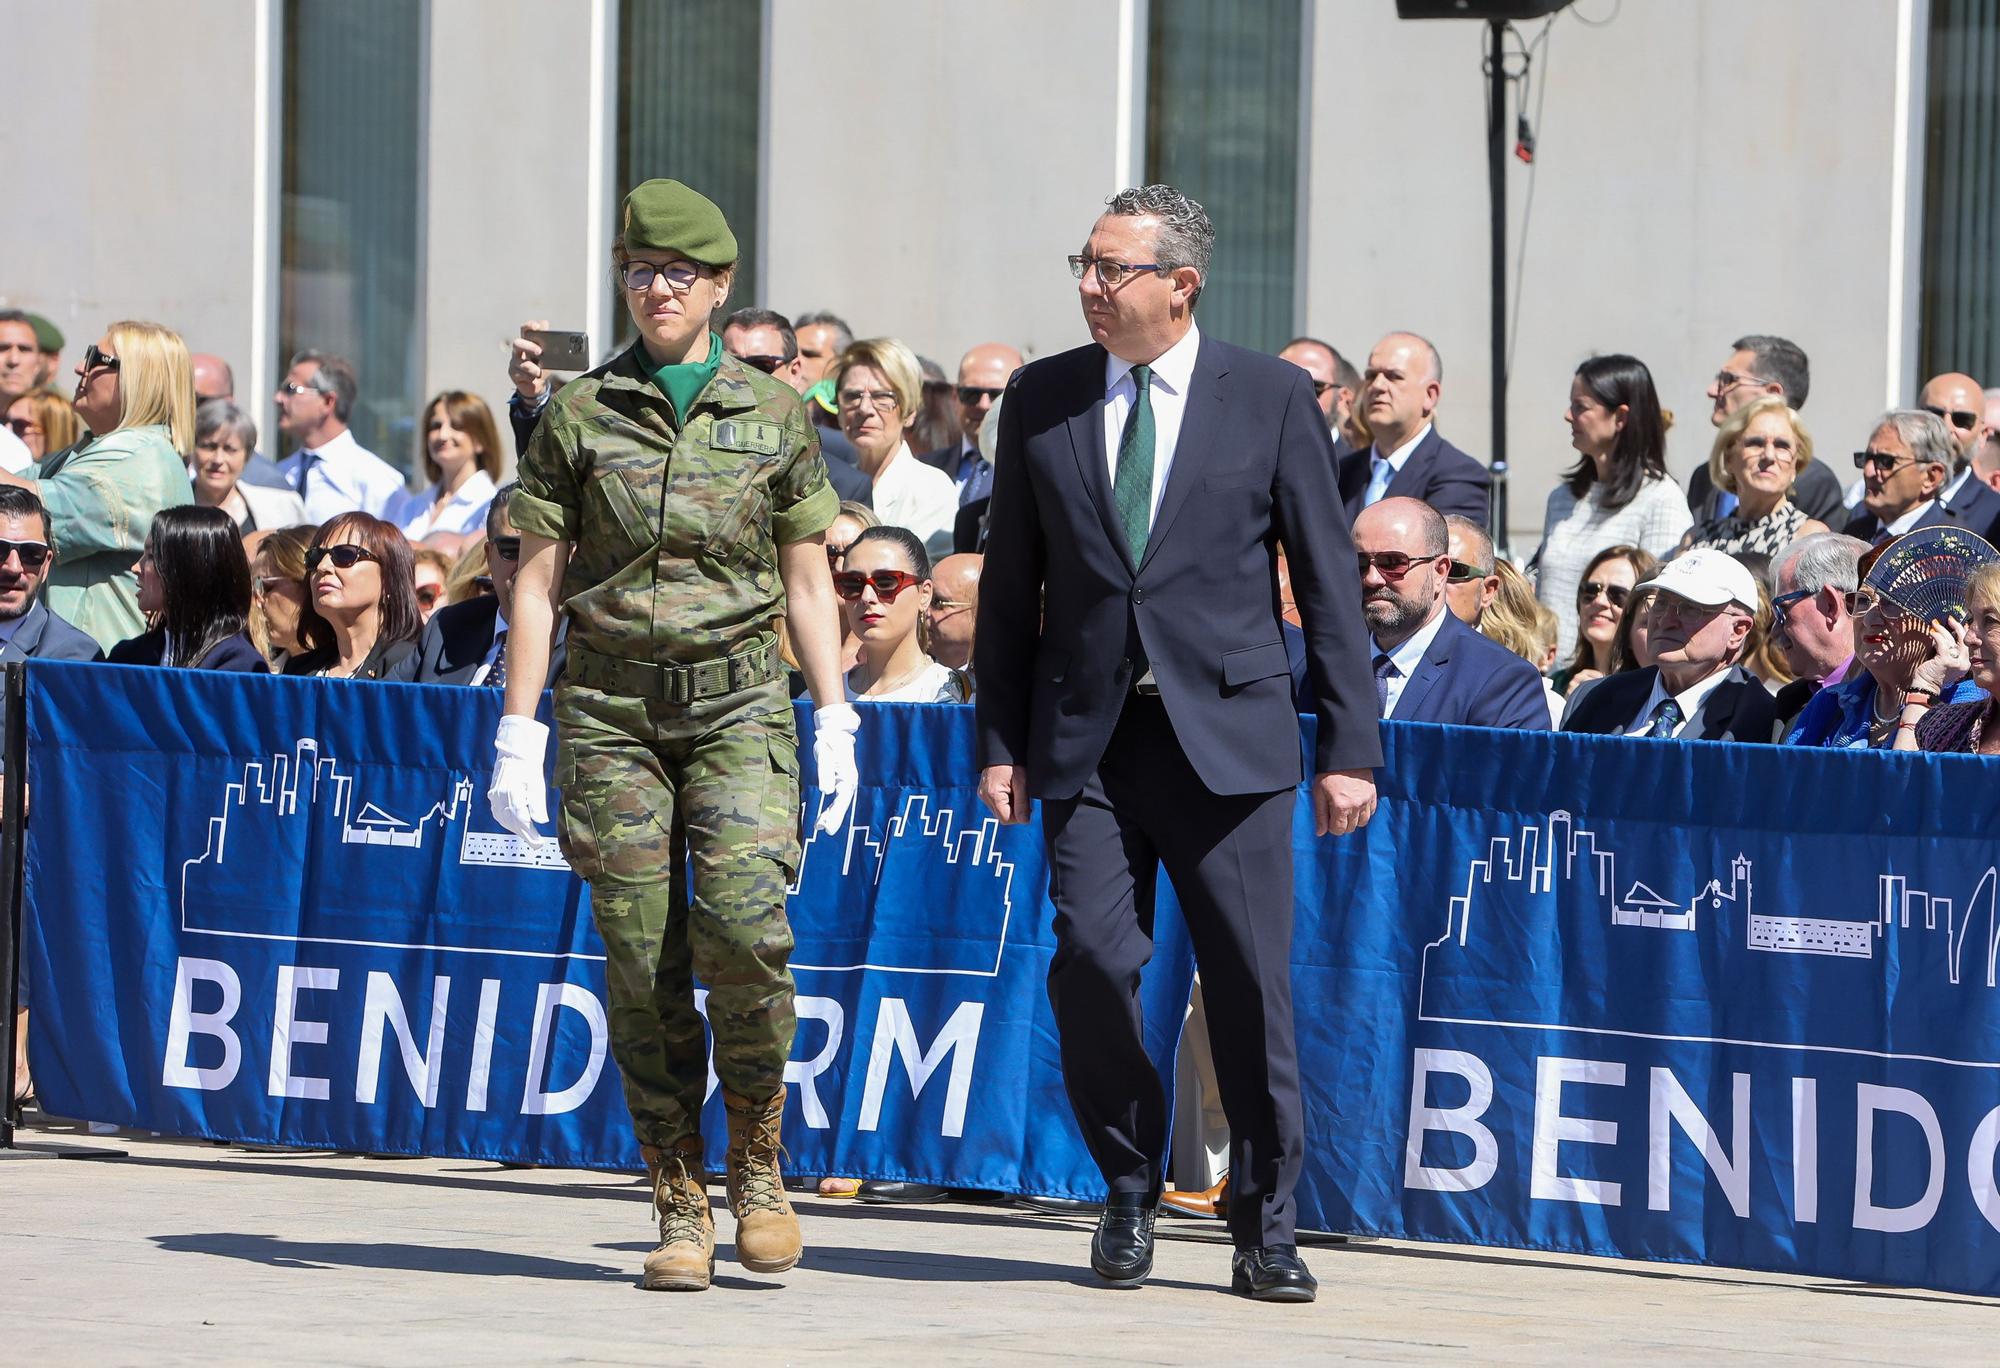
(833, 755)
(518, 795)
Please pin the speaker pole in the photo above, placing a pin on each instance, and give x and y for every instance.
(1496, 177)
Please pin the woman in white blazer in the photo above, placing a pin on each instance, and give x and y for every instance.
(224, 437)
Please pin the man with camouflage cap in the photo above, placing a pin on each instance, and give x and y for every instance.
(674, 503)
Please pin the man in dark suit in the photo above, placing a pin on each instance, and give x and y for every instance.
(983, 373)
(1409, 460)
(1335, 382)
(1761, 365)
(28, 630)
(466, 643)
(1957, 401)
(1906, 467)
(1697, 626)
(1132, 675)
(1429, 666)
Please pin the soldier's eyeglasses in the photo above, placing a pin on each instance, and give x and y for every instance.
(506, 548)
(639, 275)
(344, 557)
(887, 584)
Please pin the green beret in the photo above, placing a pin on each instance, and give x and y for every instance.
(48, 337)
(666, 216)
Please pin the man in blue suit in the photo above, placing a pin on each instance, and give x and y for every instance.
(1429, 666)
(1409, 459)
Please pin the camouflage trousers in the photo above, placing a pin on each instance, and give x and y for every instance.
(688, 834)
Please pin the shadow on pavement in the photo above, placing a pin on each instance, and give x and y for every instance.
(274, 1252)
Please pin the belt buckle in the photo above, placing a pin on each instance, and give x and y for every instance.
(680, 685)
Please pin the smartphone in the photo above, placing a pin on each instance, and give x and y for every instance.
(561, 351)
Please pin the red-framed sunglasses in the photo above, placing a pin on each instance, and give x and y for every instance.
(888, 583)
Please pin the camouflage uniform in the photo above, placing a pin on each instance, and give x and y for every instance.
(673, 713)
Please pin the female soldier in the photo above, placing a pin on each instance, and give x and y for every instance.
(674, 503)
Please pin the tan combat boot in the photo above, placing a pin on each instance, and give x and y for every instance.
(767, 1231)
(685, 1260)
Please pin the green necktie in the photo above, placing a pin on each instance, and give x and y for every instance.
(1132, 488)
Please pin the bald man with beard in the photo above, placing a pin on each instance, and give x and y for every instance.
(1961, 404)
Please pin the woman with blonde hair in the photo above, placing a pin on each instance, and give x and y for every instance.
(135, 392)
(879, 388)
(1757, 457)
(44, 422)
(278, 592)
(1523, 624)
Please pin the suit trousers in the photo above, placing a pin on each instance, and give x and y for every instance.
(1229, 857)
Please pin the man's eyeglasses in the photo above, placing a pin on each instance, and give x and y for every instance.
(344, 556)
(947, 606)
(969, 395)
(506, 548)
(886, 583)
(879, 400)
(1885, 461)
(1461, 573)
(638, 276)
(1781, 604)
(1110, 274)
(1726, 381)
(1964, 419)
(1393, 564)
(94, 360)
(770, 365)
(1614, 594)
(34, 555)
(1322, 386)
(296, 387)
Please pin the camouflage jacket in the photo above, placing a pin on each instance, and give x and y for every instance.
(674, 535)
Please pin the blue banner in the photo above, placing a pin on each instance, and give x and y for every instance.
(1690, 1002)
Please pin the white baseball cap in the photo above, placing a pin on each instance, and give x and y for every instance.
(1710, 578)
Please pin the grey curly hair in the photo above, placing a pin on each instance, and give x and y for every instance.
(1186, 237)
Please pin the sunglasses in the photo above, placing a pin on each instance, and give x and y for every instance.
(344, 557)
(1860, 601)
(1616, 594)
(506, 548)
(1784, 603)
(264, 584)
(483, 584)
(429, 594)
(93, 359)
(886, 583)
(1958, 418)
(767, 364)
(1883, 461)
(972, 394)
(834, 553)
(1393, 564)
(1461, 573)
(34, 555)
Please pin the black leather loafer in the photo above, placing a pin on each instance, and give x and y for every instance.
(1272, 1273)
(1121, 1251)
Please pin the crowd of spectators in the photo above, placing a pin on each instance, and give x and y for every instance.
(143, 518)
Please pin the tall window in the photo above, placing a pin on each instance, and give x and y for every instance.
(353, 207)
(689, 109)
(1961, 299)
(1222, 124)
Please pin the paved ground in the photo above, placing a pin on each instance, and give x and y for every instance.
(191, 1253)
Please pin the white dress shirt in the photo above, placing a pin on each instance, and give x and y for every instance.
(1382, 469)
(923, 498)
(1173, 372)
(1403, 661)
(464, 511)
(1691, 700)
(340, 477)
(1909, 519)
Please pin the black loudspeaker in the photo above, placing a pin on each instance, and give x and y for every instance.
(1476, 9)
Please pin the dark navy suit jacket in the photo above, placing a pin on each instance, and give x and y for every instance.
(1437, 472)
(1740, 708)
(1975, 507)
(1068, 621)
(1463, 680)
(455, 642)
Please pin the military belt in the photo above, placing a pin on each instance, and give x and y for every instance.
(676, 684)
